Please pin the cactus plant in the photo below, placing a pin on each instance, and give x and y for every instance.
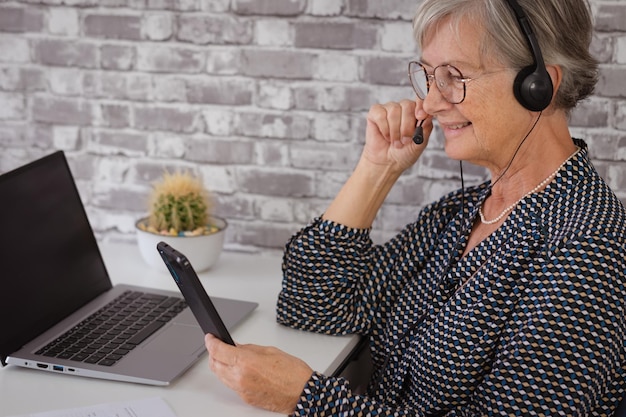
(180, 213)
(180, 206)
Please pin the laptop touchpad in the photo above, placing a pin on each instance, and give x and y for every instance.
(177, 338)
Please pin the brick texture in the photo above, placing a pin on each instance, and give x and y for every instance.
(265, 99)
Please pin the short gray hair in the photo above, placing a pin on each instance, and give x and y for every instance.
(504, 40)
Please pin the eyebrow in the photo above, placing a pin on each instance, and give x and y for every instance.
(459, 64)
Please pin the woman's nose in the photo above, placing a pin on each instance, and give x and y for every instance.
(434, 101)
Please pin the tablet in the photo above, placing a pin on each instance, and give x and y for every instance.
(192, 290)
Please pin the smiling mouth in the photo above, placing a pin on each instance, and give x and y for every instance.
(458, 126)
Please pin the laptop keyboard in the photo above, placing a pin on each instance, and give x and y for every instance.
(109, 334)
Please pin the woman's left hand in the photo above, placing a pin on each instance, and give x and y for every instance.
(265, 377)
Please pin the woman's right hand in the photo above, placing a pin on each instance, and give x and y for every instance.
(389, 150)
(388, 138)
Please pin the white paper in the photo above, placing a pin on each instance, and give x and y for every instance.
(148, 407)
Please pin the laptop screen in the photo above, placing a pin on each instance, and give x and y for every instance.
(51, 264)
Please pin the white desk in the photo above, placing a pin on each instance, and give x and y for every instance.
(197, 392)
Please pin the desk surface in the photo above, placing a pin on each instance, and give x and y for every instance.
(198, 391)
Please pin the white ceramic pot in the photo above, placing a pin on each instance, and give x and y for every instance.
(202, 251)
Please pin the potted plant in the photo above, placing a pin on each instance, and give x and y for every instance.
(180, 214)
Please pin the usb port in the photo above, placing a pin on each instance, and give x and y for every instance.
(57, 368)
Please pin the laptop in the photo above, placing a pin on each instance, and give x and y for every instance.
(58, 309)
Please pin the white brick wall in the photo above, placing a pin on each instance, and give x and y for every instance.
(263, 98)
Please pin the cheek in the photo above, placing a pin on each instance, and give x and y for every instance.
(491, 108)
(491, 126)
(491, 97)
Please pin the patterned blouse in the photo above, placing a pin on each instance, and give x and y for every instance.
(530, 322)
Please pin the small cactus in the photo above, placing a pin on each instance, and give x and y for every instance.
(179, 203)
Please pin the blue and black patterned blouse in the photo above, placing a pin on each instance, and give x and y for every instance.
(530, 322)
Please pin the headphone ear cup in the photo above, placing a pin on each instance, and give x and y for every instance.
(533, 88)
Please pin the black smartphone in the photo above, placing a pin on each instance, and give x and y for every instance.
(192, 290)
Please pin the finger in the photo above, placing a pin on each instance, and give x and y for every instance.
(424, 118)
(394, 121)
(220, 351)
(222, 370)
(408, 118)
(226, 374)
(402, 121)
(377, 116)
(421, 114)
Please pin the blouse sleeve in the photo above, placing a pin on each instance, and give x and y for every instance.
(331, 397)
(335, 281)
(322, 266)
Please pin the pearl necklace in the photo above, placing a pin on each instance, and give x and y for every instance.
(512, 206)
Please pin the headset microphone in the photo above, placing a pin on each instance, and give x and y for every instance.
(418, 136)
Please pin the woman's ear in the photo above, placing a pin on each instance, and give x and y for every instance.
(556, 75)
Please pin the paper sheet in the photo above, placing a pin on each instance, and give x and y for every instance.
(147, 407)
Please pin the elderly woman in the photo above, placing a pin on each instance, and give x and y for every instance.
(505, 298)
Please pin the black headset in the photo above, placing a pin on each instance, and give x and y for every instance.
(532, 86)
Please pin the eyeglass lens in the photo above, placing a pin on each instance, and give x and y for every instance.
(447, 78)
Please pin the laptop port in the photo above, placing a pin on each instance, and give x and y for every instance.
(42, 366)
(57, 368)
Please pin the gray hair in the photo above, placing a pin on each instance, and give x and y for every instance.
(504, 41)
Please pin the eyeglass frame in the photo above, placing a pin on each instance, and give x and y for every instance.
(431, 77)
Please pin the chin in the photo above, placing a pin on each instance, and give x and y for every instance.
(456, 149)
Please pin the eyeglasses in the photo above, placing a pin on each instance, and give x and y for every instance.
(448, 79)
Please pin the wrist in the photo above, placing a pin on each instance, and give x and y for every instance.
(376, 178)
(361, 197)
